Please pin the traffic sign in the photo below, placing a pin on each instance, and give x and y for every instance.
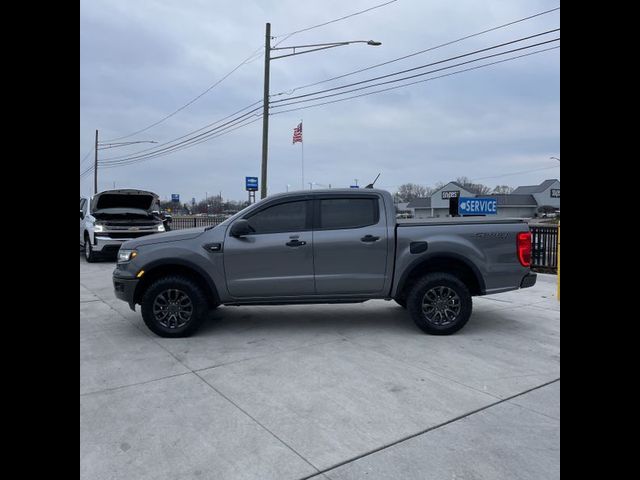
(175, 197)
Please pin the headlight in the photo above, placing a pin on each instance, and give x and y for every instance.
(160, 227)
(126, 255)
(98, 228)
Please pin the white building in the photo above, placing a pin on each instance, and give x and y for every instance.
(524, 202)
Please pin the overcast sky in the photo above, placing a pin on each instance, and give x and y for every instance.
(140, 61)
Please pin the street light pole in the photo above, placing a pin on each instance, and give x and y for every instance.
(265, 96)
(265, 111)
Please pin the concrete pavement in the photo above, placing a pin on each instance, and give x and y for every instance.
(326, 391)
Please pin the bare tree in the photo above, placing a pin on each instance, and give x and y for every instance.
(411, 191)
(503, 189)
(477, 188)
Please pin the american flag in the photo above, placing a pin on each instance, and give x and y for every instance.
(297, 134)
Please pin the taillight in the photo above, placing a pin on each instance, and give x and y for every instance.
(524, 248)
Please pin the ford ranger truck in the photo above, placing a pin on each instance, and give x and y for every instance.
(324, 246)
(110, 218)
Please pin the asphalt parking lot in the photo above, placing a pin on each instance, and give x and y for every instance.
(326, 391)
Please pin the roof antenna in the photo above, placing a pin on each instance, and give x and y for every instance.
(371, 184)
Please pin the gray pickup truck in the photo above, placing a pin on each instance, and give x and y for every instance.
(324, 246)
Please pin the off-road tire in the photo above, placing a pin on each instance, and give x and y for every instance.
(437, 285)
(158, 290)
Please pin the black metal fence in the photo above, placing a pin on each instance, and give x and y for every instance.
(179, 223)
(544, 255)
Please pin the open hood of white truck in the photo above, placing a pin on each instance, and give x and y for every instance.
(124, 199)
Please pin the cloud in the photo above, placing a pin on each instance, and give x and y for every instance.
(142, 60)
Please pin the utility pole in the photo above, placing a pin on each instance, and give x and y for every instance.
(265, 98)
(95, 167)
(265, 110)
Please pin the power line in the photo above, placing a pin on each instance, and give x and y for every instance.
(516, 173)
(175, 148)
(380, 77)
(247, 60)
(87, 155)
(289, 92)
(86, 171)
(190, 140)
(288, 35)
(185, 135)
(251, 58)
(413, 83)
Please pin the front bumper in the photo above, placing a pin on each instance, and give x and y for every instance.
(104, 244)
(529, 280)
(125, 289)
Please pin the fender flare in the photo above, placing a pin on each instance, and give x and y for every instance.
(444, 256)
(169, 261)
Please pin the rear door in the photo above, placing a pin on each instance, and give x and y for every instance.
(350, 244)
(276, 260)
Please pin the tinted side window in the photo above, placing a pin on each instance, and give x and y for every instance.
(82, 205)
(285, 217)
(348, 213)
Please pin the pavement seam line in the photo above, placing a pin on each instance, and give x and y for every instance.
(110, 389)
(422, 432)
(220, 393)
(263, 426)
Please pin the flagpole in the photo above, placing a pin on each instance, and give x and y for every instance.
(302, 142)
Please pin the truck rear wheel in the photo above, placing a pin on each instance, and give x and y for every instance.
(440, 304)
(174, 306)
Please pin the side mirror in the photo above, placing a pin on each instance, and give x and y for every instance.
(240, 228)
(81, 215)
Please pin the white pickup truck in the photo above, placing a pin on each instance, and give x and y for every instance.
(110, 218)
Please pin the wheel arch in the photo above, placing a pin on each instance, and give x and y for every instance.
(176, 266)
(451, 263)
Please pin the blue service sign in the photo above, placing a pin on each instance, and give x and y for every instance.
(251, 183)
(477, 206)
(175, 197)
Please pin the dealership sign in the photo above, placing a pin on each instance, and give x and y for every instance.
(251, 184)
(446, 195)
(477, 206)
(555, 193)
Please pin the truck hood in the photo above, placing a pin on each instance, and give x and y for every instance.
(173, 236)
(124, 199)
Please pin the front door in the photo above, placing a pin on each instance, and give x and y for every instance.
(350, 245)
(276, 259)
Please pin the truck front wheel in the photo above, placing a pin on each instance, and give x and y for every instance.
(174, 306)
(89, 254)
(440, 304)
